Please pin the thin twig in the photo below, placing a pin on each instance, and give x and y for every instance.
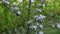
(29, 16)
(29, 10)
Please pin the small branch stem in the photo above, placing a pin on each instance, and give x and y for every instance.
(29, 16)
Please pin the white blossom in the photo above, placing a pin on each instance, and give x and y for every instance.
(33, 27)
(15, 4)
(38, 5)
(14, 8)
(36, 16)
(42, 17)
(32, 1)
(38, 10)
(46, 0)
(37, 23)
(20, 0)
(18, 13)
(53, 25)
(5, 2)
(40, 32)
(43, 5)
(41, 26)
(29, 21)
(27, 7)
(58, 25)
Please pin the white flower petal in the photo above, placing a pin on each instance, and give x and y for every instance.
(41, 25)
(32, 1)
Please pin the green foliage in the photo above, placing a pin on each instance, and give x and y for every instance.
(10, 21)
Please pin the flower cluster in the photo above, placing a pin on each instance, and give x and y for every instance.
(6, 2)
(33, 27)
(38, 18)
(40, 5)
(14, 8)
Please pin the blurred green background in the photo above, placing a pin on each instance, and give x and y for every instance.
(10, 23)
